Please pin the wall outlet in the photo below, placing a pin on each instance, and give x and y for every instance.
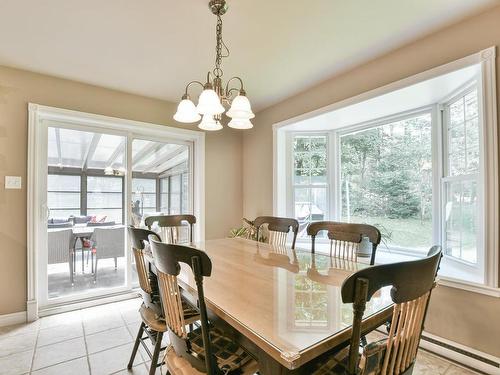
(13, 182)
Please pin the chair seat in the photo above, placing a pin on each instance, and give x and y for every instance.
(230, 356)
(157, 323)
(335, 363)
(177, 365)
(370, 363)
(152, 320)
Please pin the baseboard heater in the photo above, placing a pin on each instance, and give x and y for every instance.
(461, 355)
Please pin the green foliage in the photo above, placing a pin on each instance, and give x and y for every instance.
(247, 230)
(386, 171)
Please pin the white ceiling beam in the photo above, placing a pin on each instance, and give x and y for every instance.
(119, 151)
(144, 153)
(169, 164)
(91, 150)
(161, 160)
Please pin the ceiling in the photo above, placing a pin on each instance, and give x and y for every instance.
(419, 95)
(154, 48)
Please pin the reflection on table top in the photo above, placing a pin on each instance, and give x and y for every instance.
(289, 301)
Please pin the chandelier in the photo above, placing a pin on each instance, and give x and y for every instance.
(215, 97)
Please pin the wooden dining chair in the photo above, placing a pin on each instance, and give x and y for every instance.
(205, 349)
(345, 238)
(278, 228)
(152, 320)
(412, 283)
(171, 226)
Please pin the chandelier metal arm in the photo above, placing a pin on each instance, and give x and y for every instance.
(186, 95)
(241, 90)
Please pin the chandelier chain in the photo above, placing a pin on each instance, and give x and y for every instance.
(219, 49)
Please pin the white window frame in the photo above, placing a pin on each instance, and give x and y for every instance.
(290, 173)
(39, 118)
(487, 84)
(457, 263)
(381, 122)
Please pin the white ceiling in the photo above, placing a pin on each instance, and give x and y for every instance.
(155, 47)
(412, 97)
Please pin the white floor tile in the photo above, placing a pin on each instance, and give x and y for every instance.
(59, 333)
(61, 352)
(58, 319)
(136, 370)
(131, 316)
(112, 360)
(107, 339)
(16, 364)
(78, 366)
(94, 324)
(19, 329)
(19, 343)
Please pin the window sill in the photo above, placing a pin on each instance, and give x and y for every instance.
(385, 257)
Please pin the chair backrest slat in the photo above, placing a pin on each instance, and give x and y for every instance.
(142, 271)
(278, 228)
(345, 238)
(171, 225)
(172, 304)
(412, 283)
(139, 239)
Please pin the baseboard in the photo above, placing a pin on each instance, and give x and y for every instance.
(66, 307)
(11, 319)
(461, 354)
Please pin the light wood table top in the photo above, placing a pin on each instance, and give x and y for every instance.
(286, 302)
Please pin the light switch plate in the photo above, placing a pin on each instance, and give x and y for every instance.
(13, 182)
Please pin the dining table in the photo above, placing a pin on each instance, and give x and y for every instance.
(283, 305)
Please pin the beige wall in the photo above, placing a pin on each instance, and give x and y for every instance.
(468, 318)
(17, 88)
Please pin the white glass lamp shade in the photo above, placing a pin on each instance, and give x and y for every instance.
(186, 112)
(237, 123)
(209, 103)
(209, 123)
(240, 108)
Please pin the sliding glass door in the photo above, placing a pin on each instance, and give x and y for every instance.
(86, 175)
(98, 182)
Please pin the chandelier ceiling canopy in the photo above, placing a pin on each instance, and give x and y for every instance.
(215, 97)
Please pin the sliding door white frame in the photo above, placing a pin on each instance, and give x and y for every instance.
(40, 117)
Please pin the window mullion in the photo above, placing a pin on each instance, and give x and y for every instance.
(83, 194)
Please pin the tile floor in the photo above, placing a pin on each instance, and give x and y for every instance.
(99, 341)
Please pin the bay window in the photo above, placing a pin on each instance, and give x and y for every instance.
(385, 176)
(420, 163)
